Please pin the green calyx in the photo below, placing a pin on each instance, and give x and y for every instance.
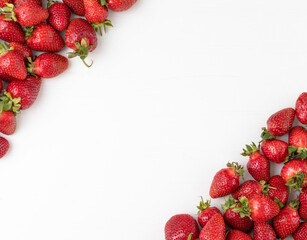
(203, 205)
(279, 203)
(190, 236)
(243, 208)
(237, 168)
(265, 187)
(98, 26)
(250, 149)
(266, 135)
(50, 3)
(296, 182)
(294, 152)
(8, 103)
(9, 13)
(5, 48)
(81, 51)
(103, 3)
(29, 31)
(229, 204)
(295, 203)
(30, 67)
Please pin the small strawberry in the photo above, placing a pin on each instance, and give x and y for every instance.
(59, 15)
(45, 38)
(76, 6)
(23, 49)
(278, 191)
(4, 146)
(258, 165)
(11, 31)
(120, 5)
(301, 232)
(7, 118)
(264, 231)
(181, 227)
(294, 174)
(298, 142)
(247, 189)
(206, 212)
(3, 3)
(288, 220)
(226, 181)
(18, 3)
(275, 150)
(48, 65)
(214, 229)
(301, 108)
(303, 204)
(238, 235)
(235, 219)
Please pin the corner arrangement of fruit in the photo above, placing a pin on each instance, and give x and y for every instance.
(26, 26)
(263, 205)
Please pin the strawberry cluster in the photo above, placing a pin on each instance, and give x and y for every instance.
(264, 204)
(26, 26)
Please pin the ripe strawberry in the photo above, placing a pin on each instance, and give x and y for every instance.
(96, 13)
(81, 37)
(247, 189)
(298, 142)
(120, 5)
(287, 221)
(48, 65)
(23, 49)
(234, 218)
(301, 232)
(303, 204)
(226, 181)
(181, 227)
(301, 108)
(238, 235)
(258, 165)
(206, 212)
(18, 3)
(7, 120)
(4, 2)
(59, 15)
(294, 174)
(11, 31)
(45, 38)
(1, 85)
(76, 6)
(275, 150)
(214, 229)
(264, 231)
(4, 146)
(278, 191)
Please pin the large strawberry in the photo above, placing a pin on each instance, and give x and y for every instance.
(277, 190)
(181, 227)
(247, 189)
(206, 212)
(301, 232)
(76, 6)
(294, 174)
(214, 229)
(303, 204)
(3, 3)
(7, 118)
(298, 142)
(226, 181)
(287, 221)
(17, 3)
(238, 235)
(120, 5)
(4, 146)
(59, 15)
(48, 65)
(258, 165)
(45, 38)
(301, 108)
(11, 31)
(23, 49)
(264, 231)
(275, 150)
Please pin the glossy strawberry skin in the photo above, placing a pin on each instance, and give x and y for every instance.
(12, 64)
(301, 108)
(45, 39)
(303, 204)
(11, 31)
(180, 226)
(292, 168)
(275, 150)
(259, 167)
(59, 16)
(30, 14)
(301, 232)
(95, 12)
(214, 229)
(238, 235)
(23, 49)
(4, 146)
(298, 137)
(234, 220)
(264, 231)
(120, 5)
(247, 189)
(281, 122)
(7, 123)
(205, 215)
(281, 191)
(27, 90)
(18, 3)
(76, 6)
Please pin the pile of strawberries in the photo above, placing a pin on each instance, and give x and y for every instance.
(263, 204)
(26, 26)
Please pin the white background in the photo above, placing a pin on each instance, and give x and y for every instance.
(176, 90)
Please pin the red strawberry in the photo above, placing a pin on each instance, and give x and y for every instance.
(11, 31)
(4, 2)
(264, 231)
(294, 174)
(214, 229)
(298, 142)
(4, 146)
(238, 235)
(76, 6)
(287, 221)
(1, 85)
(27, 90)
(303, 204)
(59, 15)
(247, 189)
(7, 121)
(45, 38)
(48, 65)
(258, 165)
(23, 49)
(120, 5)
(226, 181)
(206, 212)
(275, 150)
(234, 218)
(301, 108)
(278, 191)
(17, 3)
(81, 37)
(181, 227)
(301, 232)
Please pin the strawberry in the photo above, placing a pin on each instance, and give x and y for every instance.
(279, 123)
(18, 3)
(1, 85)
(258, 165)
(4, 146)
(275, 150)
(45, 38)
(181, 227)
(214, 229)
(264, 231)
(247, 189)
(11, 31)
(301, 108)
(238, 235)
(7, 119)
(234, 219)
(81, 37)
(226, 181)
(120, 5)
(206, 212)
(294, 174)
(48, 65)
(288, 220)
(278, 191)
(76, 6)
(303, 204)
(23, 49)
(26, 90)
(59, 15)
(3, 3)
(301, 232)
(298, 142)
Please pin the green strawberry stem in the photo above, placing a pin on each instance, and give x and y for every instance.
(98, 26)
(4, 48)
(294, 152)
(266, 135)
(229, 204)
(190, 236)
(243, 208)
(103, 3)
(250, 149)
(50, 3)
(279, 203)
(296, 182)
(295, 203)
(8, 103)
(9, 13)
(81, 51)
(237, 168)
(203, 205)
(265, 187)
